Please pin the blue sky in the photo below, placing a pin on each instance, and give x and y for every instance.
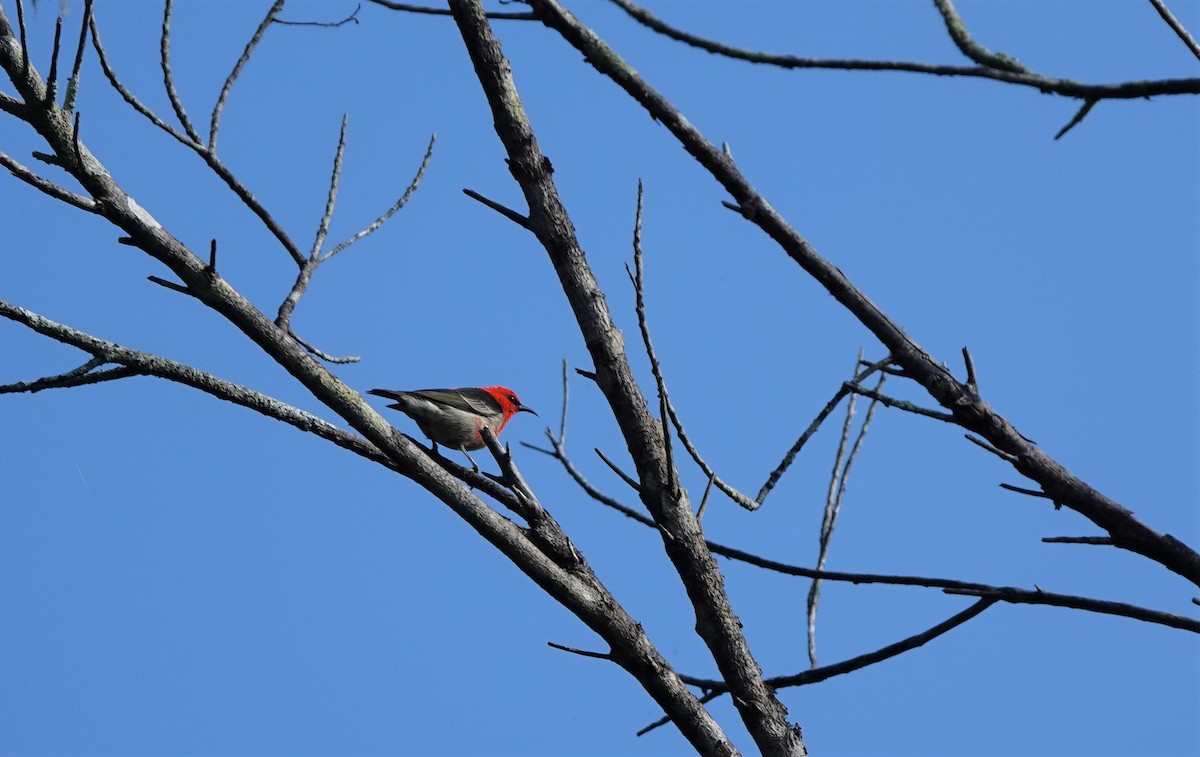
(183, 576)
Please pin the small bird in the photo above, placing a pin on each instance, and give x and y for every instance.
(453, 417)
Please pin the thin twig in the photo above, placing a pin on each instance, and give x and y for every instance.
(1064, 87)
(1103, 541)
(331, 197)
(838, 481)
(227, 87)
(969, 47)
(410, 8)
(994, 450)
(128, 96)
(1177, 27)
(704, 499)
(400, 203)
(733, 553)
(624, 477)
(716, 688)
(790, 456)
(508, 213)
(562, 424)
(352, 18)
(1102, 606)
(1023, 490)
(1077, 118)
(972, 379)
(73, 82)
(24, 44)
(323, 356)
(164, 57)
(580, 652)
(170, 285)
(46, 186)
(637, 278)
(904, 405)
(52, 77)
(53, 382)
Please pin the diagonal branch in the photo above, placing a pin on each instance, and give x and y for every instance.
(683, 542)
(969, 409)
(1176, 27)
(227, 87)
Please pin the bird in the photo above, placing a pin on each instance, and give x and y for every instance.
(454, 417)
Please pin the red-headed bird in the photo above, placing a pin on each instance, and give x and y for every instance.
(453, 417)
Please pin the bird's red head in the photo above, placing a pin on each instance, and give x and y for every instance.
(509, 403)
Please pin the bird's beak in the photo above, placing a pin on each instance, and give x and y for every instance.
(523, 409)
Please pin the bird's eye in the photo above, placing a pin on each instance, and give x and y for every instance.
(513, 399)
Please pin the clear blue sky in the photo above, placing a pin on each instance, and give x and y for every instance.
(179, 575)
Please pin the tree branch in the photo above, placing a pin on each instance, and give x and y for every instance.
(683, 541)
(971, 412)
(1065, 87)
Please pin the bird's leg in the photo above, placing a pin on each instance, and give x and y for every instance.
(474, 467)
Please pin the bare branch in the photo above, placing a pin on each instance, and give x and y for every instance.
(331, 197)
(969, 47)
(948, 584)
(46, 186)
(404, 198)
(352, 18)
(562, 424)
(1103, 541)
(1023, 490)
(24, 44)
(323, 356)
(1064, 87)
(1039, 597)
(52, 77)
(838, 480)
(508, 213)
(791, 454)
(997, 452)
(682, 537)
(73, 82)
(70, 378)
(1077, 118)
(128, 96)
(164, 50)
(716, 688)
(581, 652)
(410, 8)
(622, 474)
(904, 405)
(227, 87)
(1177, 27)
(637, 278)
(133, 363)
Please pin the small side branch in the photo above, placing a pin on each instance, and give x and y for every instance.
(790, 456)
(508, 213)
(73, 82)
(715, 688)
(1077, 118)
(969, 47)
(581, 652)
(46, 186)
